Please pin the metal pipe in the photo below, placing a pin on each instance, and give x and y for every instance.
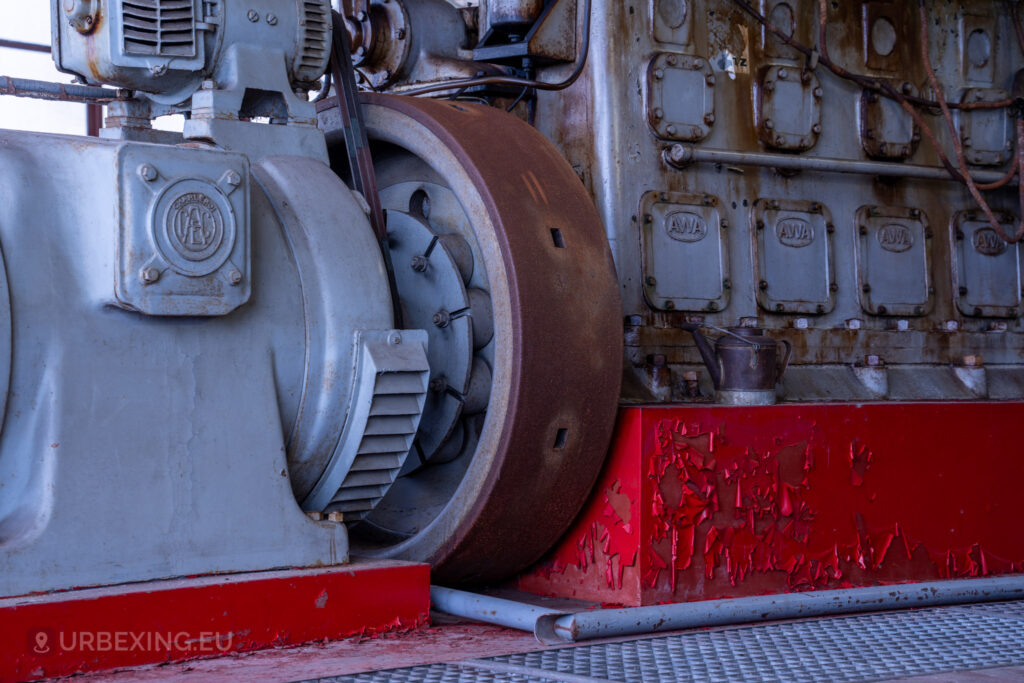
(561, 627)
(682, 155)
(19, 45)
(61, 92)
(498, 611)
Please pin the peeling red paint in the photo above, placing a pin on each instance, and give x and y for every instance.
(741, 501)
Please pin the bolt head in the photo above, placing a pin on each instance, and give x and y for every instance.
(658, 113)
(442, 318)
(818, 93)
(816, 128)
(395, 338)
(253, 15)
(149, 275)
(783, 74)
(873, 361)
(209, 85)
(232, 178)
(709, 118)
(659, 74)
(235, 277)
(438, 384)
(709, 79)
(972, 361)
(272, 19)
(769, 124)
(418, 263)
(147, 173)
(671, 130)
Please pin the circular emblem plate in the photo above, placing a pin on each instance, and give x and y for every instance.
(194, 227)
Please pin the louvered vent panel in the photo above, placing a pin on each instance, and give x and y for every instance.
(314, 40)
(161, 28)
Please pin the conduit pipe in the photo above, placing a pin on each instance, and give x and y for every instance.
(680, 156)
(553, 626)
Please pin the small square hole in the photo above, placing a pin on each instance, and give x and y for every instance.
(556, 237)
(560, 436)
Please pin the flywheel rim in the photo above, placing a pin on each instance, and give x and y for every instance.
(558, 348)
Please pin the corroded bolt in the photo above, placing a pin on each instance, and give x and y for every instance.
(438, 384)
(235, 277)
(658, 113)
(335, 516)
(150, 275)
(769, 86)
(769, 124)
(669, 305)
(419, 263)
(676, 154)
(671, 130)
(442, 318)
(783, 74)
(816, 128)
(780, 140)
(659, 74)
(972, 361)
(709, 79)
(709, 118)
(818, 93)
(400, 34)
(873, 361)
(762, 285)
(209, 84)
(651, 281)
(671, 59)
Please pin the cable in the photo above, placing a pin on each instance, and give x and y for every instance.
(861, 80)
(511, 80)
(958, 147)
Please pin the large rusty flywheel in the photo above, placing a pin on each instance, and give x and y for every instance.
(500, 255)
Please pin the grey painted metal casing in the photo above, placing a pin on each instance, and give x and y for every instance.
(170, 435)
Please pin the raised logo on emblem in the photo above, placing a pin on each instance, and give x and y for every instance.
(195, 226)
(686, 226)
(794, 232)
(988, 242)
(895, 237)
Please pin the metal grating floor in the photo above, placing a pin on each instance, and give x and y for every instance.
(868, 647)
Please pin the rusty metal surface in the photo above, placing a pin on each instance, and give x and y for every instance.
(558, 340)
(609, 126)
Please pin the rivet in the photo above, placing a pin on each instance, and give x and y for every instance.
(394, 338)
(659, 74)
(253, 15)
(658, 113)
(709, 118)
(816, 128)
(235, 277)
(769, 124)
(783, 74)
(272, 19)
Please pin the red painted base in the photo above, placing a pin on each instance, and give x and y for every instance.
(700, 502)
(104, 628)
